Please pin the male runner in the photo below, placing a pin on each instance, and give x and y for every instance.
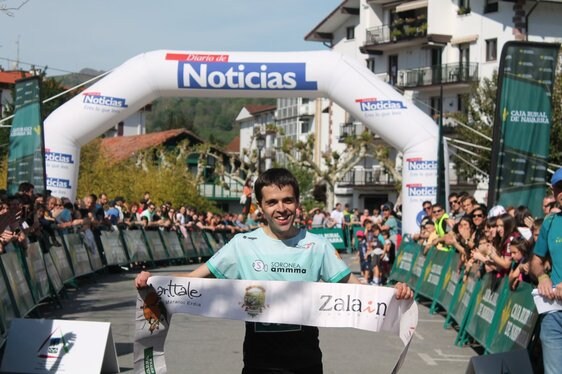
(278, 251)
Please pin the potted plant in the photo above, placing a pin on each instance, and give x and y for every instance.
(463, 10)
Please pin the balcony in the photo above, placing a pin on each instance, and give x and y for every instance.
(433, 75)
(366, 177)
(403, 32)
(352, 129)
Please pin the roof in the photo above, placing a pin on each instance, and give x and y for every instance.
(123, 147)
(323, 32)
(254, 109)
(233, 146)
(10, 77)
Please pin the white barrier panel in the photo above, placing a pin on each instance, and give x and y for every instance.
(311, 303)
(59, 346)
(163, 73)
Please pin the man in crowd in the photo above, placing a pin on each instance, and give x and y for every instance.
(337, 215)
(550, 286)
(272, 348)
(455, 210)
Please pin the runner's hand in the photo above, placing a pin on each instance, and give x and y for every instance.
(403, 291)
(142, 279)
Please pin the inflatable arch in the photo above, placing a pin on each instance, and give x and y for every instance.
(162, 73)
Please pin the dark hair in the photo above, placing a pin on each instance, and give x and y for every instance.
(524, 246)
(508, 226)
(279, 177)
(522, 212)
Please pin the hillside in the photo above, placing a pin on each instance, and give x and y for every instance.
(211, 119)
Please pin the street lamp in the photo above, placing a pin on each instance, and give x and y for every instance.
(260, 143)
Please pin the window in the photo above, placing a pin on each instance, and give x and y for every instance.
(371, 64)
(350, 32)
(120, 128)
(491, 6)
(491, 49)
(464, 7)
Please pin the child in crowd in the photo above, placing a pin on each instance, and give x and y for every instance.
(521, 252)
(364, 256)
(377, 254)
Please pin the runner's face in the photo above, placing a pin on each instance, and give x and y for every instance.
(279, 207)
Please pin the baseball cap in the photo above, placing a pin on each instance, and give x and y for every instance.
(495, 211)
(360, 233)
(556, 177)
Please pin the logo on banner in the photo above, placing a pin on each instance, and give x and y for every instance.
(417, 190)
(153, 310)
(63, 158)
(419, 164)
(58, 183)
(243, 75)
(330, 303)
(373, 105)
(96, 98)
(25, 131)
(55, 344)
(254, 300)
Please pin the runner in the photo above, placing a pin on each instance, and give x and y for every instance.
(278, 251)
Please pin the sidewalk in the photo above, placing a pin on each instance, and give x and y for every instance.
(204, 345)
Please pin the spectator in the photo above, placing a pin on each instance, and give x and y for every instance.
(337, 216)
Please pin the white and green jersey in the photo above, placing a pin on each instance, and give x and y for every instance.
(257, 256)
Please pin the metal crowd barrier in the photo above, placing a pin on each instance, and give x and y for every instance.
(482, 307)
(32, 275)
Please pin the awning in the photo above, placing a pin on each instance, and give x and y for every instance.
(467, 39)
(411, 5)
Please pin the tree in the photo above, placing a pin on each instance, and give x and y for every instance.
(9, 10)
(335, 165)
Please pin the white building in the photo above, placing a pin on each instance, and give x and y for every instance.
(421, 46)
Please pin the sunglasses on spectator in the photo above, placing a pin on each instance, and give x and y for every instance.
(478, 215)
(453, 202)
(427, 207)
(437, 210)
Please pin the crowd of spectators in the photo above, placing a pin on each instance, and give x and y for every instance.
(28, 217)
(498, 240)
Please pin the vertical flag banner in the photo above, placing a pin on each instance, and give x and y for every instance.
(522, 125)
(26, 154)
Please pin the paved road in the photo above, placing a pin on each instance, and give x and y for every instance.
(203, 345)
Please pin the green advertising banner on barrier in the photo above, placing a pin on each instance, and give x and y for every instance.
(452, 277)
(26, 154)
(60, 260)
(434, 275)
(418, 269)
(335, 236)
(211, 241)
(89, 244)
(156, 245)
(480, 318)
(189, 246)
(136, 246)
(7, 309)
(17, 283)
(52, 272)
(113, 248)
(461, 302)
(37, 273)
(201, 245)
(172, 243)
(78, 256)
(407, 255)
(514, 322)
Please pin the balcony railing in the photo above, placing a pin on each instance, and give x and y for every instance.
(365, 177)
(398, 31)
(433, 75)
(214, 191)
(351, 129)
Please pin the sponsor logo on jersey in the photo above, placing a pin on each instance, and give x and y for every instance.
(372, 104)
(58, 183)
(415, 190)
(244, 76)
(97, 98)
(419, 164)
(59, 157)
(259, 266)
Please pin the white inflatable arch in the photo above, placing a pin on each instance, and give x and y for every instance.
(162, 73)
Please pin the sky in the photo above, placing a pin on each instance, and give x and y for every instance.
(69, 35)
